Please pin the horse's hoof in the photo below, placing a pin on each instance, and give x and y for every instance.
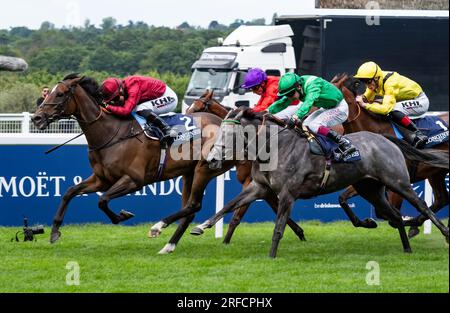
(156, 229)
(55, 236)
(197, 231)
(407, 250)
(413, 232)
(125, 215)
(153, 233)
(370, 223)
(168, 248)
(302, 237)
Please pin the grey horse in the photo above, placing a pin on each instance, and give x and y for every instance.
(299, 175)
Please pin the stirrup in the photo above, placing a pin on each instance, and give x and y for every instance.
(419, 143)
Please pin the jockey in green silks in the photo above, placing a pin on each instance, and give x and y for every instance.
(314, 91)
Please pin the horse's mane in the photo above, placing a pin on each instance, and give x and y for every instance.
(89, 84)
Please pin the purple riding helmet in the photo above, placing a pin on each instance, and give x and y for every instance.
(254, 77)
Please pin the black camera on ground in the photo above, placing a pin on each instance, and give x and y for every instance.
(29, 232)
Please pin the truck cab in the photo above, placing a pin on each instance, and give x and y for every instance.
(223, 68)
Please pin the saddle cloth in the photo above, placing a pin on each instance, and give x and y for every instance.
(184, 125)
(321, 145)
(433, 127)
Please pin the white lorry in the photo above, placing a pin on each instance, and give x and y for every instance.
(223, 68)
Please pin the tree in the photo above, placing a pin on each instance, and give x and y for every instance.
(214, 25)
(258, 21)
(108, 23)
(274, 18)
(184, 25)
(20, 32)
(236, 23)
(45, 26)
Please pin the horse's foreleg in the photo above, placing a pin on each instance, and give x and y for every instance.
(122, 187)
(91, 184)
(247, 196)
(272, 200)
(234, 222)
(284, 210)
(184, 222)
(243, 175)
(349, 193)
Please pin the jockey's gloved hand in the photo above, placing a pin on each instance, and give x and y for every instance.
(293, 122)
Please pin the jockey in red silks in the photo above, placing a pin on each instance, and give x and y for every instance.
(148, 96)
(265, 86)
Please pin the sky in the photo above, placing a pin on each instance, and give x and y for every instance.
(171, 13)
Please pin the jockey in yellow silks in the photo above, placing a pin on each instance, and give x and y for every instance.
(401, 98)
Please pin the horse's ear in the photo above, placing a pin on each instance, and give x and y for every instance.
(76, 80)
(333, 80)
(212, 94)
(205, 94)
(208, 94)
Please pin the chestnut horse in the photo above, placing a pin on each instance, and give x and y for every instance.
(122, 158)
(207, 103)
(361, 119)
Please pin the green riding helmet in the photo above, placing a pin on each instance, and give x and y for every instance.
(287, 83)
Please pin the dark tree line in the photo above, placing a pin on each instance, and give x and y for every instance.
(113, 48)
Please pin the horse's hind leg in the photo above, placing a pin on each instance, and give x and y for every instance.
(91, 184)
(122, 187)
(349, 193)
(396, 201)
(374, 192)
(441, 198)
(235, 221)
(405, 190)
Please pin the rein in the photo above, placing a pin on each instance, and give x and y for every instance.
(60, 106)
(357, 115)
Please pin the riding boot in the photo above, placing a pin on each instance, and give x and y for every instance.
(154, 119)
(345, 145)
(417, 139)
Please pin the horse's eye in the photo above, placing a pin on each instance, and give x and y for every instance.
(59, 94)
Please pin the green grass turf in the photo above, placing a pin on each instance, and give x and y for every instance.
(123, 259)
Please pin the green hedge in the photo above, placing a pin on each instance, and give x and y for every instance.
(19, 91)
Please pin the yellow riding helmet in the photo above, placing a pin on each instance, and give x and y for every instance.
(368, 70)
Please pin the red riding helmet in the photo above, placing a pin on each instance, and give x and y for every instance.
(110, 88)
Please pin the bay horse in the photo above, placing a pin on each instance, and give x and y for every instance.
(300, 175)
(361, 119)
(122, 158)
(207, 103)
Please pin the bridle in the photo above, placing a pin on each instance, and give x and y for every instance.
(61, 105)
(357, 105)
(206, 103)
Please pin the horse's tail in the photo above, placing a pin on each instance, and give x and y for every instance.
(432, 157)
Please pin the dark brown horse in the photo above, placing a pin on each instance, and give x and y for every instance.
(123, 159)
(360, 119)
(207, 103)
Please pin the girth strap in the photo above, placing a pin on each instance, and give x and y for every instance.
(326, 174)
(162, 164)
